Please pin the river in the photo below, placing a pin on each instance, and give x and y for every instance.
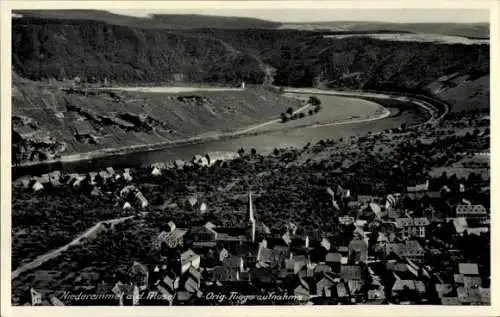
(264, 142)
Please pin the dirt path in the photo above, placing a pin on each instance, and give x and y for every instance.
(55, 253)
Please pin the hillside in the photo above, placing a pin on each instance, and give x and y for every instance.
(155, 21)
(472, 30)
(48, 120)
(123, 54)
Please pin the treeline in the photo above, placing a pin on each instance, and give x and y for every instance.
(95, 51)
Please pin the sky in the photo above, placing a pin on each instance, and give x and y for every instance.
(328, 15)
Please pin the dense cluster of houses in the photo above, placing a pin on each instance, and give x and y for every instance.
(384, 261)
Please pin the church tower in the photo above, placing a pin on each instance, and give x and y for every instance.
(251, 215)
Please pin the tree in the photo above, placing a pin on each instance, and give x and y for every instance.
(313, 100)
(241, 152)
(289, 110)
(301, 115)
(284, 118)
(253, 151)
(276, 151)
(311, 112)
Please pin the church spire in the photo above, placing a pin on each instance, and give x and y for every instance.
(251, 215)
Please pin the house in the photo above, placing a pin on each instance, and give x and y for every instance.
(449, 301)
(193, 281)
(55, 301)
(358, 250)
(105, 175)
(443, 290)
(324, 285)
(412, 227)
(156, 171)
(126, 205)
(325, 244)
(172, 239)
(366, 199)
(413, 286)
(96, 192)
(350, 272)
(127, 292)
(141, 199)
(140, 275)
(468, 269)
(200, 160)
(413, 250)
(170, 281)
(375, 208)
(268, 257)
(293, 266)
(127, 176)
(225, 274)
(302, 291)
(396, 248)
(203, 234)
(460, 225)
(55, 178)
(37, 186)
(334, 260)
(234, 263)
(346, 220)
(235, 235)
(321, 268)
(485, 294)
(189, 259)
(418, 187)
(192, 201)
(44, 179)
(471, 211)
(471, 281)
(163, 294)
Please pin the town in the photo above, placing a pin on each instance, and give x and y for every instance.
(396, 217)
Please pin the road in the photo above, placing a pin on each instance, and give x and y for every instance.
(55, 253)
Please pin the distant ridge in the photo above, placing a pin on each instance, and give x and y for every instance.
(469, 30)
(155, 21)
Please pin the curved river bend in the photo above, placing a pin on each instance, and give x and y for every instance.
(264, 142)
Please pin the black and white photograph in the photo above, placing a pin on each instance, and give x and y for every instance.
(250, 157)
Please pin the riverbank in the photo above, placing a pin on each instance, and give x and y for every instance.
(214, 137)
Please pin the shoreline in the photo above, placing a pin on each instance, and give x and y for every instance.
(220, 136)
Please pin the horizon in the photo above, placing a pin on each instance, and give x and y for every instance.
(425, 16)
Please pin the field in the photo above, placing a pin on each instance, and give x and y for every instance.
(416, 37)
(334, 110)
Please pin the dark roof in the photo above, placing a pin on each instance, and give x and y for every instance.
(320, 268)
(333, 257)
(194, 273)
(232, 261)
(224, 274)
(263, 274)
(350, 272)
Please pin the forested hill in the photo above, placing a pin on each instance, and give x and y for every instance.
(94, 50)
